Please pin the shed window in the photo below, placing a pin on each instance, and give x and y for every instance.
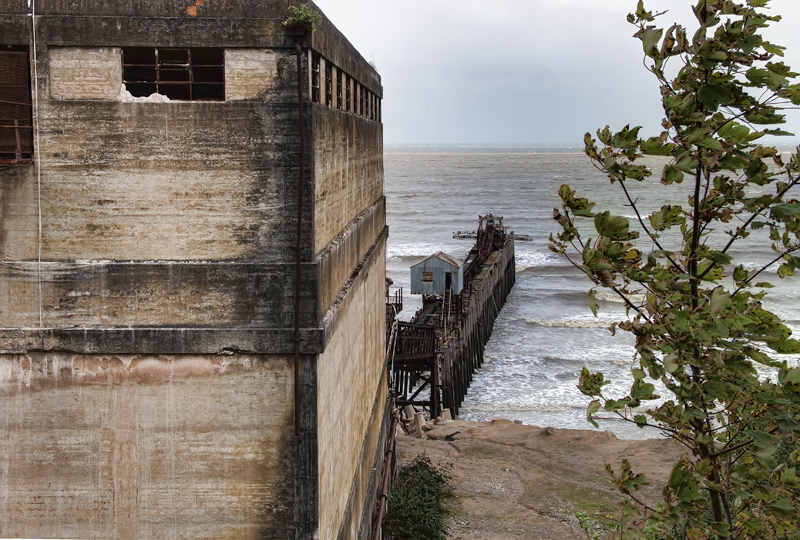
(16, 126)
(193, 74)
(427, 277)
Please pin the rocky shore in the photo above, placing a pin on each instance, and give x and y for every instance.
(512, 481)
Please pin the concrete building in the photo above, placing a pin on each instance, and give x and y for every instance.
(150, 185)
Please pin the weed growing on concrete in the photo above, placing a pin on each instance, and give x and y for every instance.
(302, 17)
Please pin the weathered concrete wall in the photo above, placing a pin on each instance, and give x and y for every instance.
(350, 382)
(157, 182)
(337, 260)
(179, 23)
(348, 170)
(178, 180)
(110, 293)
(136, 447)
(17, 216)
(249, 73)
(147, 280)
(85, 72)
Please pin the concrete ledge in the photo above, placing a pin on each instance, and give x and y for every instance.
(339, 306)
(191, 294)
(344, 253)
(160, 340)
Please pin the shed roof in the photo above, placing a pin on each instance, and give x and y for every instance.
(443, 256)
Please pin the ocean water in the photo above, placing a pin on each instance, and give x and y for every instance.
(545, 333)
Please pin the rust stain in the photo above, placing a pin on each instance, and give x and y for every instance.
(99, 369)
(25, 364)
(192, 10)
(92, 368)
(200, 3)
(159, 368)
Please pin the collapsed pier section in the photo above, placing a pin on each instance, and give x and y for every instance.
(434, 356)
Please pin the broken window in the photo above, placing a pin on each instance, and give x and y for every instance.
(16, 124)
(339, 89)
(328, 84)
(315, 78)
(371, 106)
(347, 92)
(192, 74)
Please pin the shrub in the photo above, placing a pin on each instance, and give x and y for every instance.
(415, 509)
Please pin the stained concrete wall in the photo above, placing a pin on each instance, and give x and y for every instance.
(85, 72)
(346, 250)
(351, 393)
(249, 73)
(348, 170)
(163, 293)
(157, 182)
(152, 337)
(146, 446)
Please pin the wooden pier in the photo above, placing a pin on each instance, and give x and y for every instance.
(433, 358)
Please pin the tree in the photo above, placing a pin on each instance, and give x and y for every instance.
(701, 329)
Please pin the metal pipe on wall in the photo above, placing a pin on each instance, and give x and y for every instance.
(298, 245)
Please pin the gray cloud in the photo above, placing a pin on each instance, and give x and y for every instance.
(516, 71)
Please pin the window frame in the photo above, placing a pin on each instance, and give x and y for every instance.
(173, 76)
(16, 127)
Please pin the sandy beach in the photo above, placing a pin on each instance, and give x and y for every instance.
(513, 481)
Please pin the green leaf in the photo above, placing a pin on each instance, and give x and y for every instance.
(777, 50)
(785, 346)
(720, 258)
(734, 132)
(714, 95)
(642, 390)
(671, 173)
(654, 146)
(711, 143)
(592, 302)
(593, 407)
(761, 439)
(783, 507)
(718, 299)
(687, 162)
(671, 363)
(613, 227)
(650, 37)
(760, 357)
(783, 211)
(792, 376)
(785, 270)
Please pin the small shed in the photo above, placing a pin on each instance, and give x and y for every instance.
(436, 274)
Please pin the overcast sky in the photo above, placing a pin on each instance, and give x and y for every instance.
(516, 71)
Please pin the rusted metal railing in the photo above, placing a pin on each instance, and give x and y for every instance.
(389, 464)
